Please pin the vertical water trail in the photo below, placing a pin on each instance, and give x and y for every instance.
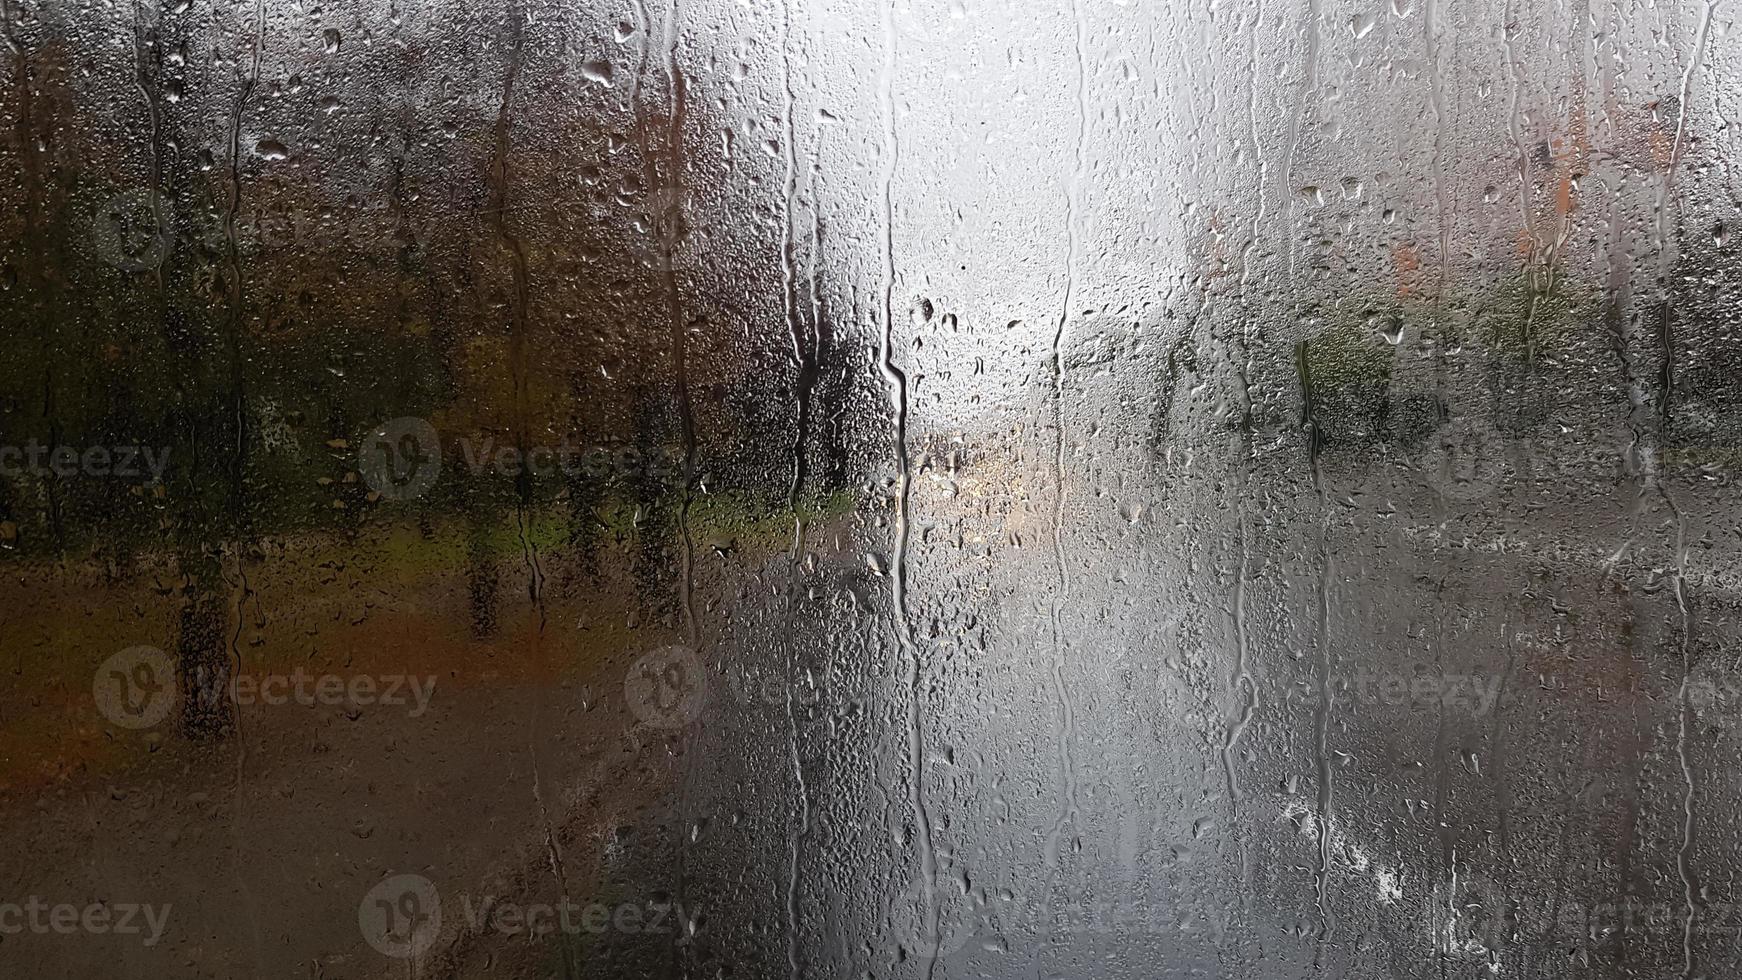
(1443, 229)
(1448, 856)
(1526, 185)
(1242, 676)
(801, 383)
(665, 222)
(1241, 679)
(1437, 105)
(1503, 803)
(812, 283)
(1205, 52)
(1681, 122)
(1684, 853)
(679, 336)
(1241, 682)
(500, 179)
(644, 53)
(162, 231)
(896, 381)
(1327, 565)
(1327, 570)
(679, 328)
(519, 302)
(154, 174)
(1308, 86)
(801, 360)
(1061, 691)
(814, 287)
(238, 410)
(1684, 858)
(1619, 322)
(233, 257)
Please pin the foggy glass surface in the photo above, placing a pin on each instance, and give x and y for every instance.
(1103, 488)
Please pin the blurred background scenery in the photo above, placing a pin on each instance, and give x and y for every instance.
(762, 488)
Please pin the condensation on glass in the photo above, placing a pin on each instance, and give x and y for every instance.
(777, 489)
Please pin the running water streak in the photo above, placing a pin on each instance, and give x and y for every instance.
(1061, 690)
(896, 381)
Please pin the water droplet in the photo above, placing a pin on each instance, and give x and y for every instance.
(599, 73)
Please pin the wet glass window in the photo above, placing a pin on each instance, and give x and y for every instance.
(778, 489)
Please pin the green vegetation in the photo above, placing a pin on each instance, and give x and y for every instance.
(1362, 398)
(1350, 372)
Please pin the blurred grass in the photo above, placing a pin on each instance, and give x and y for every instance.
(406, 551)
